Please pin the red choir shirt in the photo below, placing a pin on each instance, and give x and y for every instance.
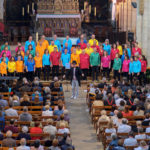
(105, 61)
(82, 45)
(113, 53)
(136, 51)
(143, 65)
(128, 114)
(125, 66)
(36, 130)
(54, 58)
(84, 61)
(97, 47)
(101, 51)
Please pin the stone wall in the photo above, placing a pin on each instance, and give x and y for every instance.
(143, 28)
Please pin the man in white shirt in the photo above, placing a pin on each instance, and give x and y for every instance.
(11, 112)
(124, 128)
(50, 128)
(131, 141)
(23, 145)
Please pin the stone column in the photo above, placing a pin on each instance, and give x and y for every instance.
(1, 10)
(143, 29)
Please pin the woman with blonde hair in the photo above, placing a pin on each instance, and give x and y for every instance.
(14, 101)
(25, 100)
(110, 128)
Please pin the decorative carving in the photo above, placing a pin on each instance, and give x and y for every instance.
(141, 7)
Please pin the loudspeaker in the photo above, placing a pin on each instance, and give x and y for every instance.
(134, 4)
(130, 36)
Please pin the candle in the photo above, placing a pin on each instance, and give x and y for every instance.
(95, 11)
(32, 6)
(28, 9)
(22, 11)
(89, 9)
(37, 36)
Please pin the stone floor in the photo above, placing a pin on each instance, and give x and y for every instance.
(82, 131)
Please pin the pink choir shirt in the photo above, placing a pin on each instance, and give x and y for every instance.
(125, 66)
(8, 54)
(105, 61)
(143, 65)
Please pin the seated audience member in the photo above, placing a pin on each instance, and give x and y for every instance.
(26, 86)
(130, 141)
(103, 116)
(62, 121)
(135, 128)
(142, 146)
(119, 146)
(36, 130)
(118, 120)
(37, 146)
(148, 131)
(61, 103)
(99, 101)
(24, 134)
(114, 140)
(9, 141)
(56, 87)
(146, 121)
(37, 94)
(121, 105)
(66, 115)
(138, 111)
(110, 128)
(11, 112)
(14, 101)
(67, 145)
(59, 111)
(25, 101)
(49, 141)
(49, 128)
(55, 145)
(141, 134)
(127, 112)
(11, 127)
(110, 100)
(62, 129)
(23, 146)
(47, 111)
(3, 103)
(124, 128)
(25, 116)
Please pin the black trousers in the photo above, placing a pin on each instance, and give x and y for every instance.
(142, 78)
(126, 74)
(20, 75)
(46, 70)
(63, 70)
(95, 70)
(11, 74)
(38, 72)
(116, 74)
(85, 72)
(131, 78)
(55, 71)
(106, 72)
(30, 75)
(137, 76)
(112, 62)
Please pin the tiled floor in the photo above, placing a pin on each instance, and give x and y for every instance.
(82, 131)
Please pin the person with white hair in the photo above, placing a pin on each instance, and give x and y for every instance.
(62, 129)
(142, 146)
(124, 128)
(23, 146)
(24, 134)
(9, 141)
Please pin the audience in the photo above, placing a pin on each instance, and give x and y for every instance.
(25, 116)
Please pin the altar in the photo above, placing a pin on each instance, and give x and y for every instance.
(59, 17)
